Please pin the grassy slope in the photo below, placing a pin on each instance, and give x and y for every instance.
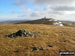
(60, 38)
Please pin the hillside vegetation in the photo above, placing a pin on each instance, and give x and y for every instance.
(52, 40)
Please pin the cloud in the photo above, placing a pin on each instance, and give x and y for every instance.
(36, 14)
(64, 8)
(57, 5)
(52, 8)
(20, 3)
(54, 2)
(17, 12)
(23, 3)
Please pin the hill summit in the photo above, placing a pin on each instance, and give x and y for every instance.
(49, 21)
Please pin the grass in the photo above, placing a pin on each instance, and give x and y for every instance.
(53, 39)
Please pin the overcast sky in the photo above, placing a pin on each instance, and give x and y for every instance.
(35, 9)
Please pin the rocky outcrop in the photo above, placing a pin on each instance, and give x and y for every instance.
(23, 33)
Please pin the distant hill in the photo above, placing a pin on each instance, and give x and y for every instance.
(49, 21)
(12, 21)
(39, 21)
(71, 22)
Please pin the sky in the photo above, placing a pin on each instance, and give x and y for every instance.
(35, 9)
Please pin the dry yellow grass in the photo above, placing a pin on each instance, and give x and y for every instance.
(60, 38)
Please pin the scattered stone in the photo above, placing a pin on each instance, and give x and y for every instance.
(50, 46)
(23, 33)
(34, 48)
(64, 41)
(16, 51)
(41, 48)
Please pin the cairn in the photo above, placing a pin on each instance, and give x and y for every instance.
(23, 33)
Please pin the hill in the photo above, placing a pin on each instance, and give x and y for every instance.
(49, 21)
(52, 40)
(12, 21)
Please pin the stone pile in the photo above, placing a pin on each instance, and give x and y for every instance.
(23, 33)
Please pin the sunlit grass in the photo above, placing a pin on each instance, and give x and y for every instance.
(60, 38)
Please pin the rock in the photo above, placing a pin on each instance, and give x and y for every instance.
(23, 33)
(16, 51)
(11, 35)
(41, 48)
(34, 48)
(50, 46)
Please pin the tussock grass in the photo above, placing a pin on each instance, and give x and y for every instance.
(59, 38)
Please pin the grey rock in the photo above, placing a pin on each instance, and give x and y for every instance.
(23, 33)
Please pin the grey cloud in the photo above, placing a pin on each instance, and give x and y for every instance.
(45, 13)
(21, 3)
(53, 2)
(34, 14)
(42, 2)
(56, 12)
(63, 8)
